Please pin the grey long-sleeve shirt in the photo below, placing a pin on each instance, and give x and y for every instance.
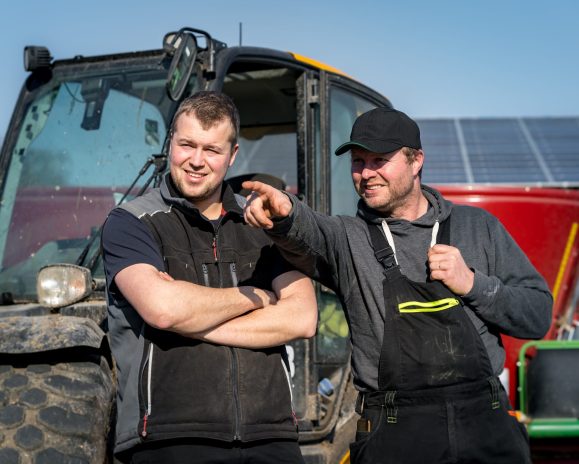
(509, 296)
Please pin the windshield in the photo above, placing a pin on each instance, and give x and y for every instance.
(81, 144)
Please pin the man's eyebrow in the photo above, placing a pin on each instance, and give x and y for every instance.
(184, 138)
(211, 146)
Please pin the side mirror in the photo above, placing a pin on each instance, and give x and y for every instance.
(182, 64)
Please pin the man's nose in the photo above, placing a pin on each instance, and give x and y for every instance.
(197, 157)
(367, 172)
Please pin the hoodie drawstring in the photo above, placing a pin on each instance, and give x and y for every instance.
(434, 234)
(390, 239)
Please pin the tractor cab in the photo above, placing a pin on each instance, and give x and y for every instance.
(89, 133)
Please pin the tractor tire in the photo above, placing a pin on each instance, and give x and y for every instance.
(56, 412)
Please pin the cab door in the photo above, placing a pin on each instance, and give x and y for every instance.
(279, 143)
(340, 101)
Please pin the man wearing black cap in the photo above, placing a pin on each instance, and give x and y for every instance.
(428, 287)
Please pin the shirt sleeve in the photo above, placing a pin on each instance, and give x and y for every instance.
(312, 242)
(280, 264)
(511, 294)
(126, 241)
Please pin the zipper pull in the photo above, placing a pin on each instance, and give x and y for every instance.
(144, 432)
(214, 246)
(205, 274)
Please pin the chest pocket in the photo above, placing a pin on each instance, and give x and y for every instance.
(239, 255)
(186, 264)
(231, 269)
(246, 267)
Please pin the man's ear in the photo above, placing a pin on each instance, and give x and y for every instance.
(418, 161)
(234, 151)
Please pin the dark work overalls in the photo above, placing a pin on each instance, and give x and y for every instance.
(438, 400)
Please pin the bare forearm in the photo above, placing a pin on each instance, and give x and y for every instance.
(206, 308)
(271, 326)
(293, 316)
(184, 307)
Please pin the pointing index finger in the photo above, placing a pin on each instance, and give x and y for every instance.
(256, 186)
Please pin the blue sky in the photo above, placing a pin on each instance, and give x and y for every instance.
(438, 58)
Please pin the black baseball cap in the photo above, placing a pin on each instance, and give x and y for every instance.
(382, 130)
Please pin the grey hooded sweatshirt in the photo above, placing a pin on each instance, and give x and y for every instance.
(509, 296)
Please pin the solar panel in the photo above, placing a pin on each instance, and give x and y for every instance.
(533, 151)
(443, 163)
(558, 140)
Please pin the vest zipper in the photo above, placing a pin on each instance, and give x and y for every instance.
(216, 257)
(236, 403)
(214, 246)
(149, 380)
(234, 363)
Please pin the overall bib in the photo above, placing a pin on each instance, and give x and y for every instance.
(438, 400)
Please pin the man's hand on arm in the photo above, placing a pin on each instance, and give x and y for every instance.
(264, 204)
(293, 316)
(184, 307)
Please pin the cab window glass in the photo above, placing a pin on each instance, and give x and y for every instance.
(332, 340)
(266, 99)
(345, 108)
(83, 142)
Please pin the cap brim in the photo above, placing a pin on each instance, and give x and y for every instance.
(375, 146)
(348, 146)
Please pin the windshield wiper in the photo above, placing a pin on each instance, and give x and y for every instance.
(160, 163)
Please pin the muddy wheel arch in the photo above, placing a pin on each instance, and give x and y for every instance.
(57, 391)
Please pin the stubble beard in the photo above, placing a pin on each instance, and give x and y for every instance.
(397, 197)
(200, 195)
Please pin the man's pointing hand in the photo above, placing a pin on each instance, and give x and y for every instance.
(265, 203)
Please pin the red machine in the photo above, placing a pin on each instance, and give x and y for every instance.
(544, 222)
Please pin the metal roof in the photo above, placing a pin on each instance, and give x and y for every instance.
(519, 151)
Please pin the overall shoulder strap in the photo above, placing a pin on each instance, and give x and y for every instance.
(443, 236)
(382, 250)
